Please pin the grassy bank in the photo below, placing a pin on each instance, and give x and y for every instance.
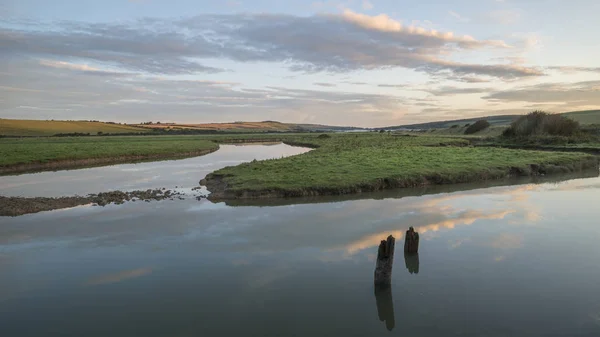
(30, 154)
(360, 163)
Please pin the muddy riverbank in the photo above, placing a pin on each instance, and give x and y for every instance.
(15, 206)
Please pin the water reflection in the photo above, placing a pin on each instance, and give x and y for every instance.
(412, 262)
(385, 305)
(144, 175)
(195, 268)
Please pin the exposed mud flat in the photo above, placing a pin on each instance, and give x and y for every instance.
(15, 206)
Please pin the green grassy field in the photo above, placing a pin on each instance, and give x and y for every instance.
(21, 127)
(23, 151)
(352, 163)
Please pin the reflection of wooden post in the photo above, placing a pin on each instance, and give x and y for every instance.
(411, 242)
(385, 261)
(385, 305)
(412, 262)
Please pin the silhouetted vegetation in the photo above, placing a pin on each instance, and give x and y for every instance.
(454, 126)
(477, 126)
(324, 136)
(540, 123)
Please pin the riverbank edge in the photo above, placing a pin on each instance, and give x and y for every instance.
(61, 164)
(221, 191)
(16, 206)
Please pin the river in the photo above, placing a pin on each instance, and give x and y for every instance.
(515, 260)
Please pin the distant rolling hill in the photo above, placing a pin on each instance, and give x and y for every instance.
(583, 117)
(16, 127)
(25, 127)
(265, 126)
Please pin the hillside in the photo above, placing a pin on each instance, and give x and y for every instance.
(22, 127)
(583, 117)
(15, 127)
(265, 126)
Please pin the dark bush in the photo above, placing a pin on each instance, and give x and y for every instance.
(467, 125)
(541, 123)
(477, 126)
(324, 136)
(454, 126)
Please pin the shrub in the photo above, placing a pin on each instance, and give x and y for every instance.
(454, 126)
(477, 126)
(541, 123)
(324, 136)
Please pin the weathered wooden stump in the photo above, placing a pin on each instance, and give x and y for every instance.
(412, 262)
(385, 305)
(411, 241)
(385, 261)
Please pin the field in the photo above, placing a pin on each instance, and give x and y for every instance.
(357, 163)
(21, 127)
(585, 117)
(44, 128)
(26, 154)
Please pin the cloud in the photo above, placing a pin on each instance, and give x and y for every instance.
(457, 16)
(342, 42)
(451, 90)
(47, 91)
(233, 3)
(367, 5)
(83, 68)
(503, 17)
(322, 84)
(586, 93)
(384, 85)
(575, 69)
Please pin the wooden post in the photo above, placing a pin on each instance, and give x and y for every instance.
(411, 242)
(385, 261)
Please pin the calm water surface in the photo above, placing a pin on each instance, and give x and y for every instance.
(183, 174)
(500, 261)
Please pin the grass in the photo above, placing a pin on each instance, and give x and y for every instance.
(354, 163)
(585, 117)
(20, 151)
(22, 127)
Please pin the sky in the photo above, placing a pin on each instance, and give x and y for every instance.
(356, 62)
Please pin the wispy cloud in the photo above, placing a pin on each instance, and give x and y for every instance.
(578, 93)
(451, 90)
(458, 17)
(367, 5)
(504, 16)
(323, 84)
